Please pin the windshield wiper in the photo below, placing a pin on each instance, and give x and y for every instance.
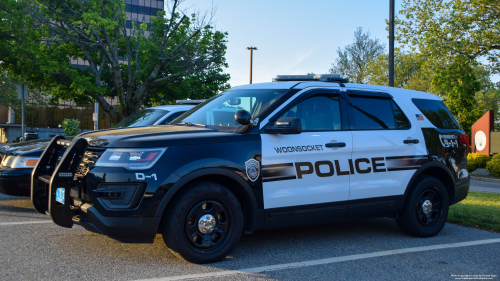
(192, 124)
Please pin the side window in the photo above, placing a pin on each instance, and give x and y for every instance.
(402, 122)
(171, 117)
(372, 114)
(318, 113)
(437, 112)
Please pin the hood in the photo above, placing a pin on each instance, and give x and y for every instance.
(155, 136)
(33, 147)
(24, 147)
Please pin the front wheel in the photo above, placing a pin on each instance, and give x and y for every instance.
(426, 209)
(204, 224)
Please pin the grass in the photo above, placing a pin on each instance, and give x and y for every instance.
(479, 209)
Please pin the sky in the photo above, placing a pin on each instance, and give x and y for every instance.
(292, 37)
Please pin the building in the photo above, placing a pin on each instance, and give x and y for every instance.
(46, 120)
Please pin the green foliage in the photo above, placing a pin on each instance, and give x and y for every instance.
(406, 67)
(493, 167)
(476, 160)
(351, 62)
(496, 157)
(180, 56)
(458, 85)
(444, 29)
(70, 127)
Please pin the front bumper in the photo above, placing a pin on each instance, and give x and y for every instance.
(124, 229)
(15, 182)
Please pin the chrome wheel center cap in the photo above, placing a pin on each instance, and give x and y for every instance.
(427, 207)
(206, 224)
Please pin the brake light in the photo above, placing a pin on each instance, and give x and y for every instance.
(465, 139)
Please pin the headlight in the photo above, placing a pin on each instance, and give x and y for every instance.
(130, 159)
(14, 161)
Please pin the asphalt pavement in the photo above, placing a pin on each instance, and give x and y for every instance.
(484, 186)
(33, 248)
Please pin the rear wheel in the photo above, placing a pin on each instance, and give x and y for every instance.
(426, 208)
(204, 223)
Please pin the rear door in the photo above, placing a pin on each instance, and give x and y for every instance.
(301, 174)
(387, 150)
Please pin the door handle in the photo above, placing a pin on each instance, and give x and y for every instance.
(335, 144)
(411, 141)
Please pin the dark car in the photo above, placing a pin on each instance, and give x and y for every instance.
(302, 150)
(31, 136)
(17, 160)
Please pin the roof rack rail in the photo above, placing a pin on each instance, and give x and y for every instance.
(318, 77)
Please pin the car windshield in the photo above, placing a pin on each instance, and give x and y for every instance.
(146, 117)
(218, 112)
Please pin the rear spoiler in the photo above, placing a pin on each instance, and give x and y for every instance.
(53, 172)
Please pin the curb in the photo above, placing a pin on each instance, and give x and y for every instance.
(484, 179)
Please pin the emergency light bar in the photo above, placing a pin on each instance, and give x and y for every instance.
(319, 77)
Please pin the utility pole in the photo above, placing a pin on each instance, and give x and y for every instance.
(391, 43)
(95, 116)
(251, 60)
(22, 94)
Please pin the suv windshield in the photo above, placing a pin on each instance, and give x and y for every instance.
(218, 112)
(146, 117)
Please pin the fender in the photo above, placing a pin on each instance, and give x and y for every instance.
(203, 172)
(423, 168)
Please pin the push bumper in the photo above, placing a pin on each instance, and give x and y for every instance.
(124, 229)
(15, 182)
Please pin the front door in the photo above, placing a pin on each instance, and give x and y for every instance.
(305, 171)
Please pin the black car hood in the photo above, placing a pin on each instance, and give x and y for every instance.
(155, 136)
(24, 147)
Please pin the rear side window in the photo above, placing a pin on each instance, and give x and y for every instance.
(377, 114)
(437, 112)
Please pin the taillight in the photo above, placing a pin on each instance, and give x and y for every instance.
(465, 139)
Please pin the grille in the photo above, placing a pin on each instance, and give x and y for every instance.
(88, 162)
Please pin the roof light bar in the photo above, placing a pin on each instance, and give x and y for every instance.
(319, 77)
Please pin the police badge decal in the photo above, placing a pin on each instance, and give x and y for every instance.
(253, 169)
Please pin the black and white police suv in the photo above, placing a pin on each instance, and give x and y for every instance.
(301, 150)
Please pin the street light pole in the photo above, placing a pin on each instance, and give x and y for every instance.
(251, 60)
(391, 43)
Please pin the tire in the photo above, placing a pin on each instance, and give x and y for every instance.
(190, 234)
(424, 221)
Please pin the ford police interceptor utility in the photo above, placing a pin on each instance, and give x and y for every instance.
(301, 150)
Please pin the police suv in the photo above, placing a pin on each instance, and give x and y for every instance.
(304, 149)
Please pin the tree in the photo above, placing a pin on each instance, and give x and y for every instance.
(351, 62)
(457, 84)
(444, 29)
(406, 66)
(8, 95)
(135, 65)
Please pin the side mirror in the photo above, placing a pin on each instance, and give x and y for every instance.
(242, 116)
(285, 126)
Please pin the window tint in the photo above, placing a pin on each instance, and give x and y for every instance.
(171, 117)
(402, 122)
(372, 114)
(318, 113)
(437, 112)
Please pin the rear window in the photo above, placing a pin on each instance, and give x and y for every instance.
(437, 113)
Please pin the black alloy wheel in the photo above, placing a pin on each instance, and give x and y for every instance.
(203, 223)
(428, 207)
(425, 211)
(207, 225)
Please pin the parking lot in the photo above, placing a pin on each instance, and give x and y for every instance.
(33, 248)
